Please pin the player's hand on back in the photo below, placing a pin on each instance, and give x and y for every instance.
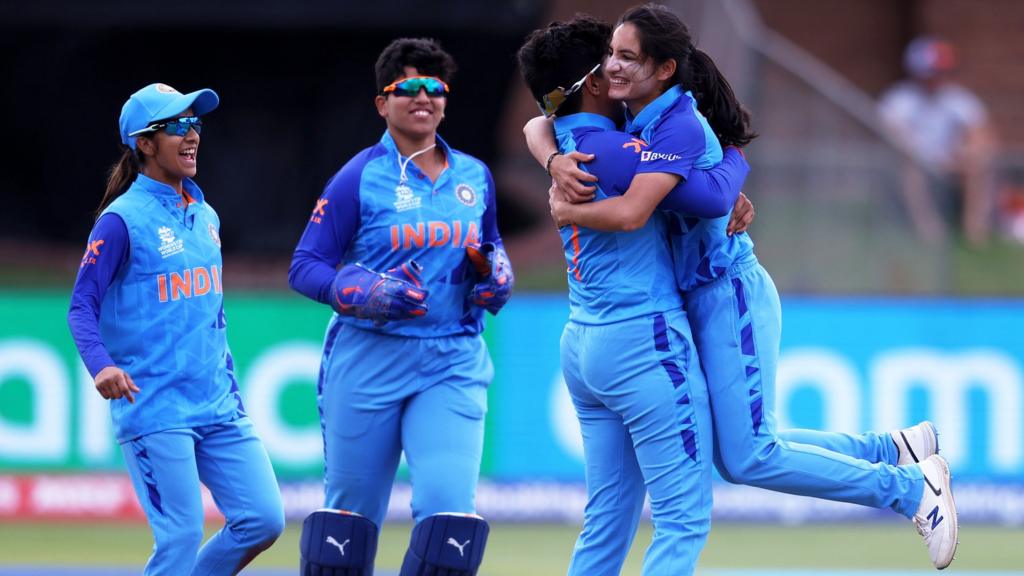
(742, 215)
(570, 178)
(559, 206)
(113, 384)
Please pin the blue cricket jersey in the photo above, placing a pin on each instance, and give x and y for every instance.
(613, 276)
(161, 318)
(680, 140)
(366, 216)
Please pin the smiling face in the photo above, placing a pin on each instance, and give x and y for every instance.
(169, 158)
(634, 78)
(414, 119)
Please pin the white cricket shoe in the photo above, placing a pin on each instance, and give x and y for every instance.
(936, 518)
(916, 443)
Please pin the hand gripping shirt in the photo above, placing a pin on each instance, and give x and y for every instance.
(680, 140)
(368, 214)
(161, 318)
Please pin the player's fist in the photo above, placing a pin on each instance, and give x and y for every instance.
(494, 272)
(397, 294)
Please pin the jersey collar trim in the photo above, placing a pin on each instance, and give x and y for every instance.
(654, 110)
(583, 120)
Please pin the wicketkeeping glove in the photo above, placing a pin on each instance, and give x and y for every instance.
(495, 274)
(394, 295)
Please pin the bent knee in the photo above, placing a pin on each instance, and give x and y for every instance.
(747, 467)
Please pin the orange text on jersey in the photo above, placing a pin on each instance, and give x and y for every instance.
(198, 281)
(434, 233)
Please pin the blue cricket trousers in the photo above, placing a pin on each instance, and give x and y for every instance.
(381, 394)
(166, 469)
(737, 327)
(641, 400)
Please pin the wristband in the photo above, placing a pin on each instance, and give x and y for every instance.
(547, 164)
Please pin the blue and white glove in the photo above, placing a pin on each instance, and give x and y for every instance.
(394, 295)
(496, 279)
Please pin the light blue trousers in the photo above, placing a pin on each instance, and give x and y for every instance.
(641, 400)
(166, 469)
(382, 394)
(737, 327)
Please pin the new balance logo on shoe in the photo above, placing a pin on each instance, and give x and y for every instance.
(340, 547)
(934, 517)
(455, 543)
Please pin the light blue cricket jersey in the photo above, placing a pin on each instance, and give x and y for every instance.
(367, 215)
(162, 318)
(613, 276)
(680, 140)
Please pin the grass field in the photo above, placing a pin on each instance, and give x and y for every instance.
(519, 549)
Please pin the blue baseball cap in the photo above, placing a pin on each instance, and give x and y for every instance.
(158, 102)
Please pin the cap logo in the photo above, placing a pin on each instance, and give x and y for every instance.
(166, 89)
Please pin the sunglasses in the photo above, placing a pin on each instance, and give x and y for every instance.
(410, 87)
(175, 127)
(552, 100)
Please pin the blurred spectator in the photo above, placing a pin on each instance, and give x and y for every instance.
(944, 131)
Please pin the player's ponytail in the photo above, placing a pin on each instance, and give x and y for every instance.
(717, 102)
(120, 177)
(663, 37)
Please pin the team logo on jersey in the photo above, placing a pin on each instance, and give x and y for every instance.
(405, 199)
(318, 211)
(213, 234)
(636, 144)
(169, 245)
(466, 194)
(91, 252)
(648, 156)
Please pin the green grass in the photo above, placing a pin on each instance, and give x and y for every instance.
(518, 549)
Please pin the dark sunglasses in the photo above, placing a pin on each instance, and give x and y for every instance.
(410, 87)
(174, 127)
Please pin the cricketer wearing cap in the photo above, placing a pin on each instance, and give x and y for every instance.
(627, 354)
(412, 224)
(147, 315)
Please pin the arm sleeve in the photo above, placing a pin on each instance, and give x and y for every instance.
(331, 229)
(678, 143)
(104, 256)
(489, 221)
(710, 193)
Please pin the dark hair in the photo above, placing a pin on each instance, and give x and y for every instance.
(121, 176)
(561, 54)
(663, 36)
(424, 54)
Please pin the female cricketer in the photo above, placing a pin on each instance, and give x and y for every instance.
(403, 244)
(626, 353)
(147, 315)
(733, 304)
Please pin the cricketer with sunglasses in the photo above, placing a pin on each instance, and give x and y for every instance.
(403, 244)
(147, 316)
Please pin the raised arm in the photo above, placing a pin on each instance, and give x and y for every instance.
(621, 213)
(710, 193)
(705, 194)
(563, 168)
